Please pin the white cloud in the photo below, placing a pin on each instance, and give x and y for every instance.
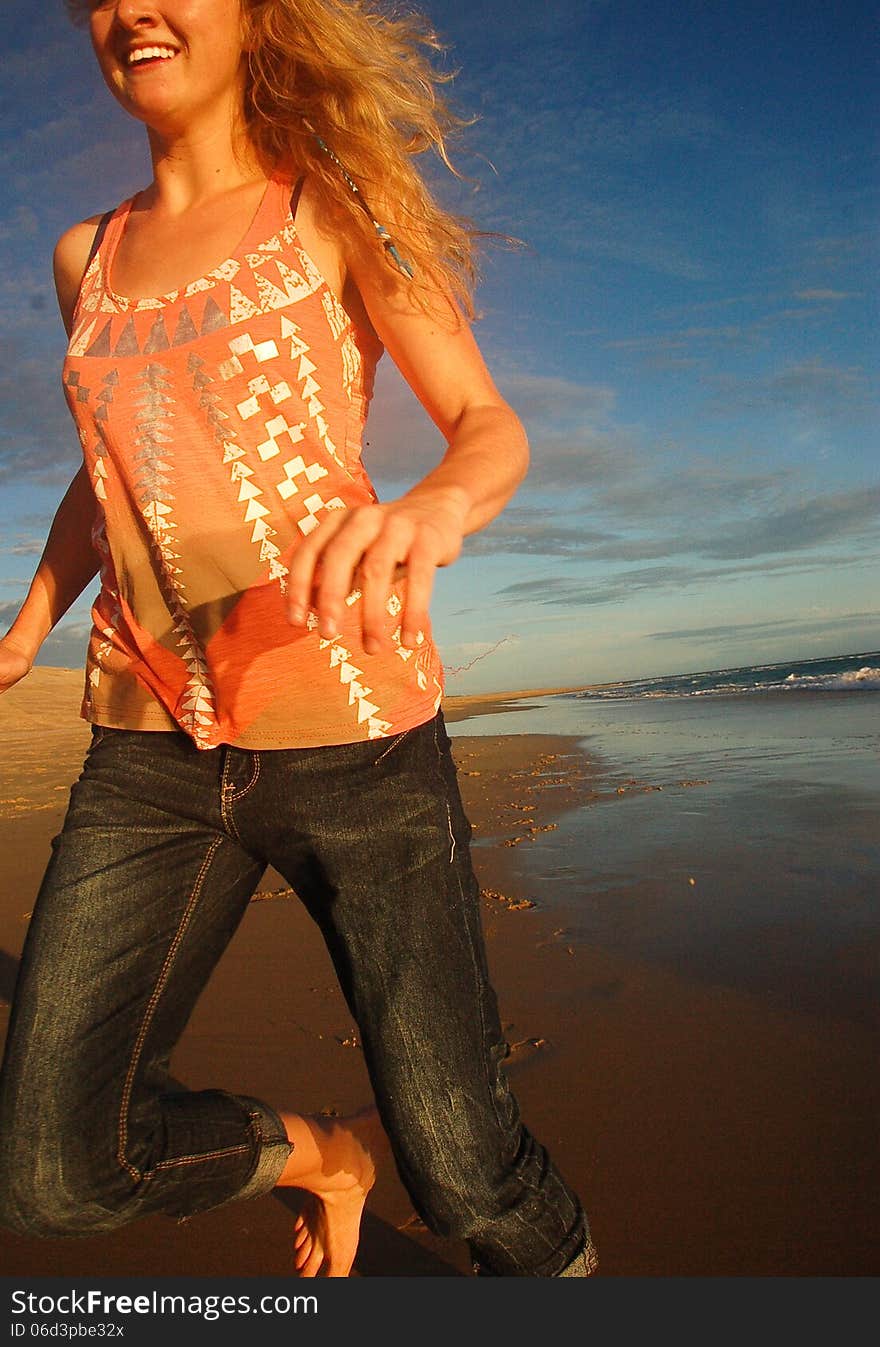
(861, 626)
(826, 296)
(811, 388)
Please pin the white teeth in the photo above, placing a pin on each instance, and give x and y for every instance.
(151, 54)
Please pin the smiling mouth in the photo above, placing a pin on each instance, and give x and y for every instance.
(142, 56)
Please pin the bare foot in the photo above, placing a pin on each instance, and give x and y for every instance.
(333, 1160)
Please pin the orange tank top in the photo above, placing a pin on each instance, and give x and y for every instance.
(218, 425)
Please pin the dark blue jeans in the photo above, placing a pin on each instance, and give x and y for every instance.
(161, 850)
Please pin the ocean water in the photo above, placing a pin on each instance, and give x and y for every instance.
(837, 673)
(736, 833)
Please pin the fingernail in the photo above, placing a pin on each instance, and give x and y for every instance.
(371, 645)
(296, 615)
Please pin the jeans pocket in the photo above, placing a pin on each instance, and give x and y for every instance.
(391, 746)
(426, 731)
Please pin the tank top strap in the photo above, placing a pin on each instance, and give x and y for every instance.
(102, 244)
(98, 239)
(295, 195)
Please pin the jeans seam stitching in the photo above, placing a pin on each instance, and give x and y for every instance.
(394, 742)
(227, 796)
(240, 794)
(122, 1135)
(480, 981)
(195, 1159)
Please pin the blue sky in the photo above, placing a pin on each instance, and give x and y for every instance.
(688, 334)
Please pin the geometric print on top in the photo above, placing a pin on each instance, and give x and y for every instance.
(219, 423)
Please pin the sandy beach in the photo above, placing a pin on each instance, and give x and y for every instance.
(709, 1132)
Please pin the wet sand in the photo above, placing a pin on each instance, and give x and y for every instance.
(708, 1132)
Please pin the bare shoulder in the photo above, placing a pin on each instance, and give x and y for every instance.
(393, 290)
(320, 240)
(69, 262)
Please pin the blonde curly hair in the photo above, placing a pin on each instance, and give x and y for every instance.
(348, 92)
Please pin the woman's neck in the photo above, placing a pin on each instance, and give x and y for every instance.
(189, 170)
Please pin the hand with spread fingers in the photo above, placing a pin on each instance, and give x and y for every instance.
(369, 549)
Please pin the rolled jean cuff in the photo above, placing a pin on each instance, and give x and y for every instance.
(275, 1148)
(586, 1264)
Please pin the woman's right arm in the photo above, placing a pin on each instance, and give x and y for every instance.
(68, 563)
(69, 560)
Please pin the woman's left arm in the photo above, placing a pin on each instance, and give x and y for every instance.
(485, 460)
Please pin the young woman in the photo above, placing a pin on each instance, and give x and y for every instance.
(261, 681)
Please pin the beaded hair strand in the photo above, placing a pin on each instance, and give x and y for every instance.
(382, 233)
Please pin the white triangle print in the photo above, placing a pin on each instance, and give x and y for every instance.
(240, 307)
(248, 490)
